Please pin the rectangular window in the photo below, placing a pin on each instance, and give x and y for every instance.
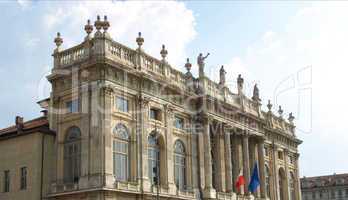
(280, 155)
(122, 104)
(179, 122)
(72, 106)
(6, 181)
(23, 178)
(155, 114)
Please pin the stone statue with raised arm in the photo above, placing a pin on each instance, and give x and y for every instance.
(222, 76)
(200, 62)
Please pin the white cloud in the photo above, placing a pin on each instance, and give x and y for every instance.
(24, 3)
(170, 23)
(316, 36)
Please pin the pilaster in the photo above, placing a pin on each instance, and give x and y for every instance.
(286, 162)
(209, 191)
(221, 160)
(228, 163)
(246, 169)
(169, 176)
(261, 158)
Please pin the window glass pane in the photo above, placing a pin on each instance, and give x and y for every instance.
(155, 114)
(72, 155)
(122, 104)
(179, 123)
(6, 181)
(72, 106)
(23, 178)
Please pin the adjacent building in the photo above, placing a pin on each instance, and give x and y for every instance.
(325, 187)
(121, 124)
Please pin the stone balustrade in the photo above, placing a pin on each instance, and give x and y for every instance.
(107, 49)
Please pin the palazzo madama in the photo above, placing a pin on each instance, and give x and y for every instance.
(125, 125)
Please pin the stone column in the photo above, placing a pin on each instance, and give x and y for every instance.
(201, 147)
(275, 172)
(261, 156)
(142, 116)
(228, 162)
(169, 175)
(107, 96)
(246, 169)
(286, 161)
(209, 191)
(221, 160)
(238, 158)
(297, 179)
(85, 122)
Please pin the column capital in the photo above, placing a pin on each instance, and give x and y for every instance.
(261, 139)
(168, 108)
(142, 100)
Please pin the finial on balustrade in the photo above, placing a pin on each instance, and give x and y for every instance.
(269, 106)
(164, 52)
(139, 40)
(280, 111)
(98, 25)
(59, 41)
(188, 65)
(88, 29)
(291, 118)
(105, 24)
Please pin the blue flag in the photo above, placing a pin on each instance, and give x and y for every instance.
(254, 181)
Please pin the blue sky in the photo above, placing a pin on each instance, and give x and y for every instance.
(295, 51)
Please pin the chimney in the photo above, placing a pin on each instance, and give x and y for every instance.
(19, 123)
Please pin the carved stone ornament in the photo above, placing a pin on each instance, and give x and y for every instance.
(164, 52)
(269, 106)
(88, 27)
(105, 24)
(108, 90)
(98, 23)
(280, 111)
(58, 40)
(139, 40)
(291, 118)
(142, 100)
(169, 109)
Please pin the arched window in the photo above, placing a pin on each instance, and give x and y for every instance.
(72, 155)
(268, 182)
(153, 158)
(180, 165)
(292, 186)
(120, 152)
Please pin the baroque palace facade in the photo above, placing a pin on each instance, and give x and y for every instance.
(325, 187)
(120, 124)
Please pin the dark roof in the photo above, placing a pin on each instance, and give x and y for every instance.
(324, 181)
(35, 125)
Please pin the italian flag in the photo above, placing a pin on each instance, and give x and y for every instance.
(240, 180)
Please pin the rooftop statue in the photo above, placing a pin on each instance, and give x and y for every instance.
(256, 93)
(222, 75)
(240, 82)
(200, 62)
